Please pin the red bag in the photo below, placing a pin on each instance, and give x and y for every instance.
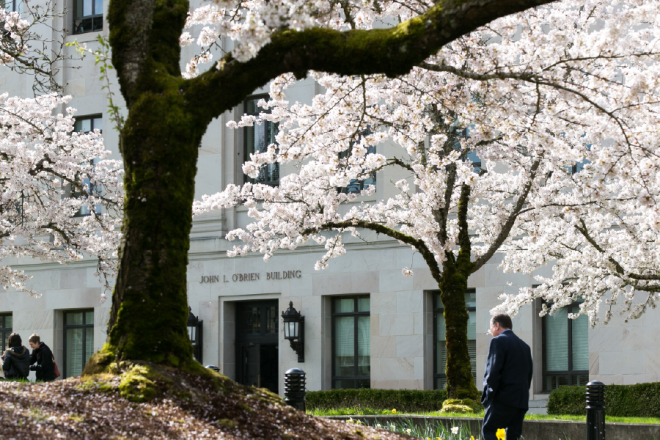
(57, 370)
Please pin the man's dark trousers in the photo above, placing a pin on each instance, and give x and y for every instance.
(500, 415)
(507, 378)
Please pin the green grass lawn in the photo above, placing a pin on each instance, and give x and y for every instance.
(381, 412)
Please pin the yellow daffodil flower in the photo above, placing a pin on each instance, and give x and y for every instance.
(500, 434)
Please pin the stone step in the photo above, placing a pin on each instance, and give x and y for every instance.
(538, 406)
(538, 403)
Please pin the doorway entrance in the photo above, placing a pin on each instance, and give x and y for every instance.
(257, 344)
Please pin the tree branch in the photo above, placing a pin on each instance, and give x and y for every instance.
(393, 51)
(442, 215)
(617, 266)
(506, 229)
(421, 247)
(144, 36)
(465, 246)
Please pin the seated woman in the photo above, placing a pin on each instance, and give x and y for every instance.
(16, 359)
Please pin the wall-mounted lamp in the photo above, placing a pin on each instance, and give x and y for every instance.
(195, 334)
(294, 330)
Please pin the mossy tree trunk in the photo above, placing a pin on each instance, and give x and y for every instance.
(149, 305)
(454, 282)
(159, 145)
(166, 121)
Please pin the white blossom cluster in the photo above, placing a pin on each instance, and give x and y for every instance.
(559, 103)
(48, 175)
(14, 41)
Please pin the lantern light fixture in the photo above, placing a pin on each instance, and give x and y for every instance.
(195, 334)
(294, 330)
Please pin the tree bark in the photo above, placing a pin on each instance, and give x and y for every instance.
(453, 285)
(149, 304)
(460, 381)
(159, 144)
(169, 115)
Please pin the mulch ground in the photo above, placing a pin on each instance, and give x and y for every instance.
(93, 409)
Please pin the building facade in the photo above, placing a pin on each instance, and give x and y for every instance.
(366, 325)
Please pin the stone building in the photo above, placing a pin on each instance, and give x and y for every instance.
(366, 325)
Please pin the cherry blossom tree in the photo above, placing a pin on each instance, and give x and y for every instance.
(168, 113)
(601, 236)
(31, 43)
(61, 197)
(50, 176)
(533, 135)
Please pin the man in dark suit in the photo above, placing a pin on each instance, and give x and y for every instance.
(507, 379)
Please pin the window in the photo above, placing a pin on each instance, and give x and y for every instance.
(355, 185)
(257, 140)
(13, 5)
(257, 318)
(458, 133)
(88, 16)
(565, 349)
(5, 330)
(476, 161)
(439, 341)
(78, 341)
(85, 125)
(351, 343)
(578, 166)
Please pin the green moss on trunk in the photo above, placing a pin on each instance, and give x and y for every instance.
(460, 382)
(159, 145)
(453, 285)
(150, 307)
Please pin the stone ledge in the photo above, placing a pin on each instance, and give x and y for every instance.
(532, 429)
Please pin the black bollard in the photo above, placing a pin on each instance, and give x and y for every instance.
(294, 388)
(595, 411)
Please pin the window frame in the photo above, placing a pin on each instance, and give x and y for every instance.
(570, 373)
(371, 149)
(476, 165)
(90, 117)
(84, 335)
(263, 320)
(94, 17)
(440, 310)
(5, 331)
(355, 314)
(246, 156)
(16, 6)
(98, 208)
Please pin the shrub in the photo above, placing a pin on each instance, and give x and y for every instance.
(640, 400)
(401, 400)
(568, 400)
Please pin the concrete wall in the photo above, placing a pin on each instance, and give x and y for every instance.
(401, 312)
(532, 429)
(61, 289)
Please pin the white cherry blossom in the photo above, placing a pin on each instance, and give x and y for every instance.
(559, 104)
(49, 175)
